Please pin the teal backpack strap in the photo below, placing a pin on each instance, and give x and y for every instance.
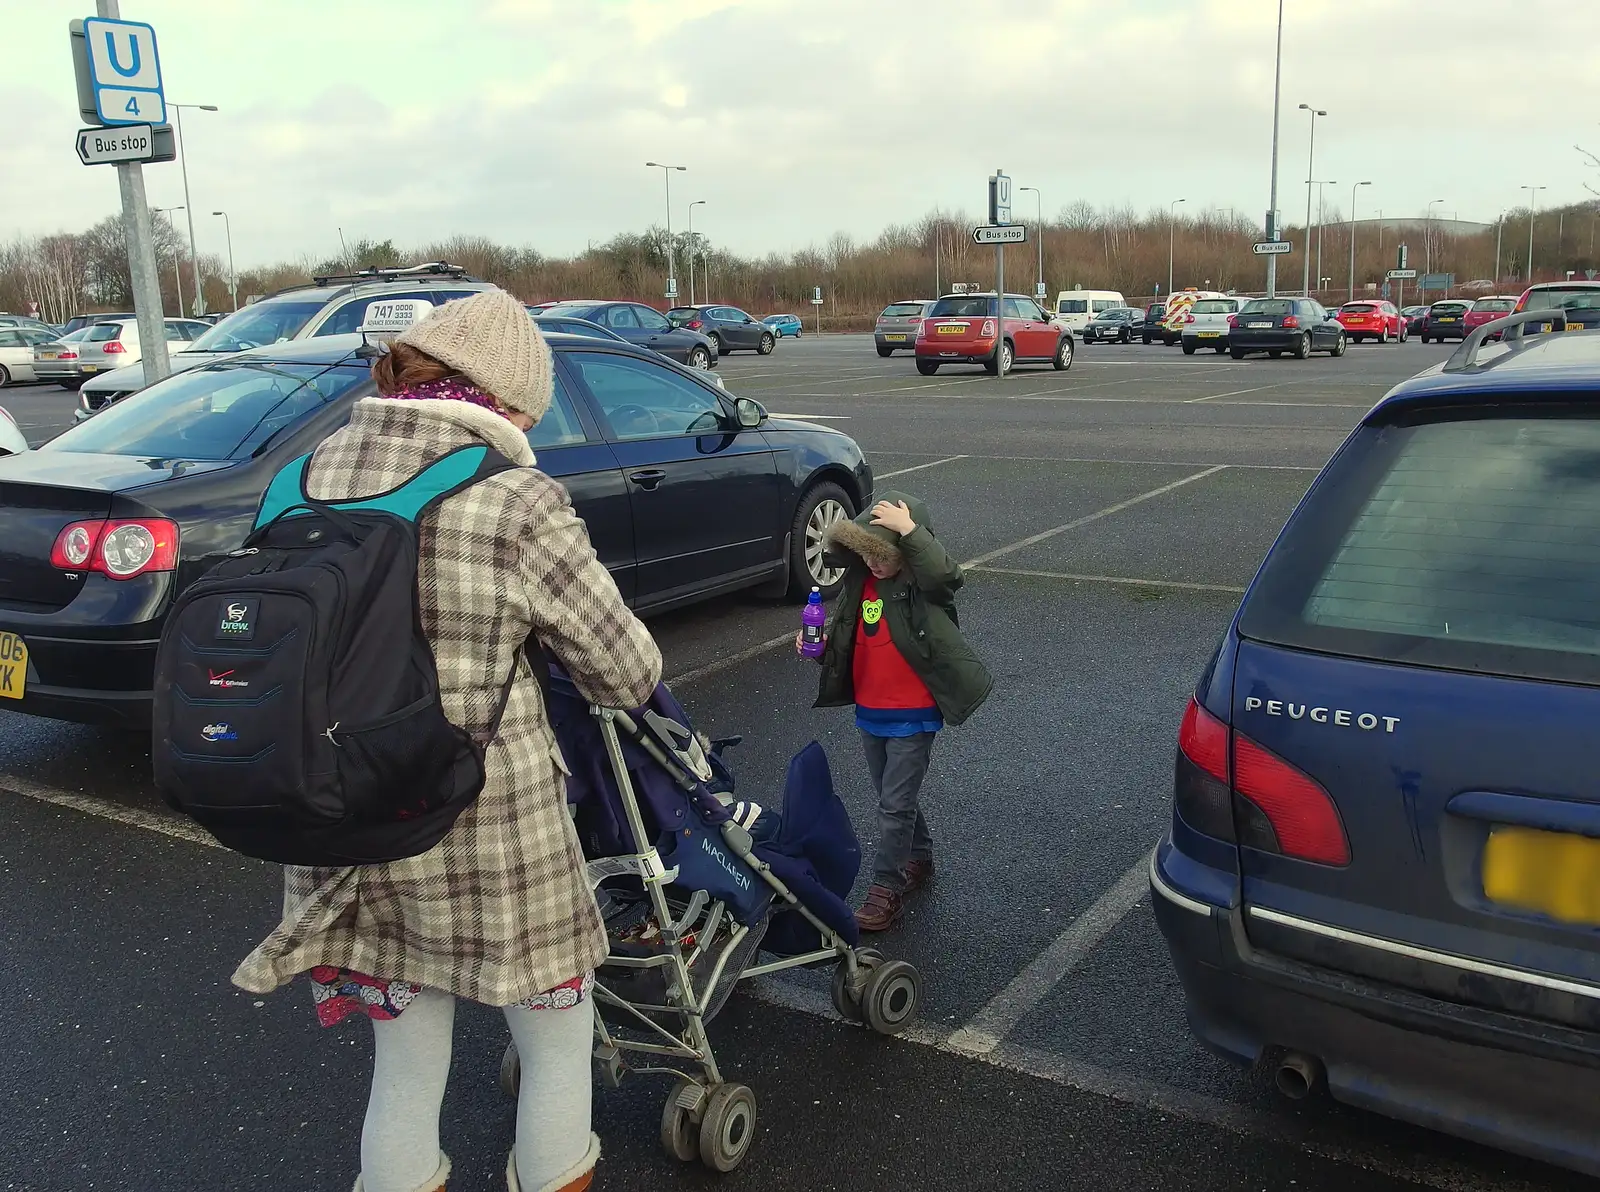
(288, 489)
(443, 478)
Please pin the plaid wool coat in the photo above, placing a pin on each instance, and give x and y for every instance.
(499, 910)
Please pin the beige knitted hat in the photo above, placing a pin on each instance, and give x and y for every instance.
(492, 341)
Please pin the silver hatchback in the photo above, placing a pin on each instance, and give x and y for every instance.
(898, 325)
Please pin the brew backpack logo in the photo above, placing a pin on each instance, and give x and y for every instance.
(237, 621)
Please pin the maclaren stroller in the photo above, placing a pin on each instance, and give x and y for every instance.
(694, 887)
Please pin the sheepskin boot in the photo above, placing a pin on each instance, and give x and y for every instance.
(576, 1178)
(435, 1183)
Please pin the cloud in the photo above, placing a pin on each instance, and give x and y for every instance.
(529, 121)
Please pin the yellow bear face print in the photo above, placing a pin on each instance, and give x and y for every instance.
(872, 611)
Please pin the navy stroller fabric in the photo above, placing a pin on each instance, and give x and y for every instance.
(814, 851)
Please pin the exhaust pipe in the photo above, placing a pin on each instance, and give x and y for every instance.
(1298, 1075)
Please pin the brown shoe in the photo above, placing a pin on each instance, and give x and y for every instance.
(881, 909)
(918, 873)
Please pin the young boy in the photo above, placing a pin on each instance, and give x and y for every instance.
(895, 652)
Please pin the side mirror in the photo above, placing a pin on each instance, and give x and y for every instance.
(750, 412)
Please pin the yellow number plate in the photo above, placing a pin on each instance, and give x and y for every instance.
(1442, 319)
(13, 665)
(952, 329)
(1551, 873)
(894, 339)
(1208, 335)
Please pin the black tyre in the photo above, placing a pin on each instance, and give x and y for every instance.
(75, 384)
(1126, 337)
(1002, 365)
(821, 506)
(680, 1134)
(1302, 349)
(1189, 348)
(1339, 347)
(1383, 336)
(1236, 353)
(890, 996)
(883, 351)
(5, 377)
(511, 1072)
(927, 367)
(1221, 348)
(1063, 357)
(764, 348)
(1425, 337)
(1146, 339)
(722, 346)
(728, 1127)
(699, 357)
(1275, 354)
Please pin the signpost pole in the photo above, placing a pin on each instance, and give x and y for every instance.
(996, 211)
(142, 268)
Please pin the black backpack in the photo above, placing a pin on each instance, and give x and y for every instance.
(297, 712)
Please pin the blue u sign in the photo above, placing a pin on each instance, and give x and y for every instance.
(125, 71)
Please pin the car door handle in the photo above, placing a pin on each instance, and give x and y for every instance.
(648, 479)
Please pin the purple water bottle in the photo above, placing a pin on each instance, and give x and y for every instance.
(813, 620)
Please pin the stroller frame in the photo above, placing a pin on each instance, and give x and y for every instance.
(705, 1116)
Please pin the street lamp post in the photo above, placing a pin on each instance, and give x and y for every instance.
(1311, 173)
(183, 161)
(1172, 239)
(1272, 205)
(1353, 189)
(1533, 201)
(233, 278)
(1321, 217)
(690, 234)
(1499, 236)
(1038, 218)
(1427, 231)
(672, 264)
(177, 261)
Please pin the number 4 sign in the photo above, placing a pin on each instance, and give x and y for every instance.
(124, 71)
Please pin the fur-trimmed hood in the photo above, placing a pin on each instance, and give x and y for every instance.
(875, 543)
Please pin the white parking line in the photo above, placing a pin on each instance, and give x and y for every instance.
(151, 821)
(1091, 517)
(1237, 392)
(949, 459)
(1130, 581)
(990, 1025)
(732, 660)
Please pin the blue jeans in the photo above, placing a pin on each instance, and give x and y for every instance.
(898, 766)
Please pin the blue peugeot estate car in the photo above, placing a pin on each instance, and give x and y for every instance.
(1383, 870)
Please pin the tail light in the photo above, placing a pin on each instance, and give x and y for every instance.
(113, 347)
(922, 330)
(1279, 809)
(1188, 318)
(1290, 322)
(916, 318)
(694, 324)
(66, 355)
(120, 549)
(1233, 322)
(987, 331)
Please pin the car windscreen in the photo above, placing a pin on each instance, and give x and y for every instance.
(211, 413)
(257, 325)
(1564, 298)
(961, 308)
(1500, 305)
(1359, 308)
(573, 310)
(100, 333)
(901, 310)
(1449, 308)
(1460, 540)
(1072, 306)
(1117, 314)
(1274, 307)
(1214, 306)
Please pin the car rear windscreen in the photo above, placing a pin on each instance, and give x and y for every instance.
(1273, 307)
(1449, 308)
(961, 308)
(1461, 542)
(1494, 304)
(901, 310)
(1359, 308)
(1072, 306)
(100, 333)
(1564, 298)
(1214, 306)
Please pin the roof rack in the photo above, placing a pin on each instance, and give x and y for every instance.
(1510, 328)
(397, 273)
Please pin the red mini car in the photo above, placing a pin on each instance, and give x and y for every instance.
(1487, 310)
(961, 329)
(1372, 319)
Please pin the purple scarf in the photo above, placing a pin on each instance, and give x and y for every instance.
(456, 388)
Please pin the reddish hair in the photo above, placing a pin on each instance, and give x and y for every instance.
(403, 367)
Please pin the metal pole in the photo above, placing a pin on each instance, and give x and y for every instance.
(999, 302)
(937, 237)
(1353, 190)
(1533, 205)
(1320, 216)
(1311, 172)
(233, 277)
(177, 258)
(1038, 219)
(142, 267)
(1172, 238)
(188, 203)
(1499, 237)
(1272, 204)
(672, 261)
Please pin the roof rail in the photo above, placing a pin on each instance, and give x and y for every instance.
(397, 273)
(1465, 357)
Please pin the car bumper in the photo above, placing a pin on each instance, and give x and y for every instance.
(1491, 1077)
(1446, 331)
(1208, 338)
(906, 341)
(1091, 335)
(1272, 340)
(56, 370)
(1374, 330)
(966, 351)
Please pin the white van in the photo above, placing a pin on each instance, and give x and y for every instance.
(1074, 308)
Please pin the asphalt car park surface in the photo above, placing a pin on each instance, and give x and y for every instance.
(1109, 517)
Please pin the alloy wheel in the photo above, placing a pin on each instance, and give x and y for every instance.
(827, 514)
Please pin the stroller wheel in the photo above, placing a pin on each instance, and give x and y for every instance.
(844, 1001)
(890, 996)
(511, 1072)
(680, 1136)
(728, 1127)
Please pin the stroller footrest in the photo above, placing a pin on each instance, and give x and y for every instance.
(646, 866)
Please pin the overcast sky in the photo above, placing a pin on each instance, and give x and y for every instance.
(529, 121)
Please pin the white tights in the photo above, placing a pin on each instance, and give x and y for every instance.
(400, 1139)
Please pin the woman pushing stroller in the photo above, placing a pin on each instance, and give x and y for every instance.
(894, 649)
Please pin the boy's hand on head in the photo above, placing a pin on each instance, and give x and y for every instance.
(896, 517)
